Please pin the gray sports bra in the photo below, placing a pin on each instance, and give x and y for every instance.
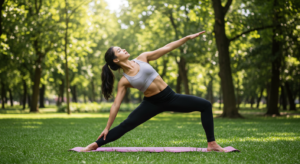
(144, 77)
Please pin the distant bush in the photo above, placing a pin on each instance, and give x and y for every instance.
(95, 107)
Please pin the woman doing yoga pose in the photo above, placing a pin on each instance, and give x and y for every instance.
(158, 96)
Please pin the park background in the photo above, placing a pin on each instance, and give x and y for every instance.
(246, 64)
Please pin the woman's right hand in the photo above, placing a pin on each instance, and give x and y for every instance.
(104, 133)
(195, 35)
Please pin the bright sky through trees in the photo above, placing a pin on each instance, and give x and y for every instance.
(114, 5)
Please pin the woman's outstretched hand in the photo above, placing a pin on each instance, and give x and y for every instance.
(195, 35)
(104, 133)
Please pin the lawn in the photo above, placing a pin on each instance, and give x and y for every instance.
(46, 138)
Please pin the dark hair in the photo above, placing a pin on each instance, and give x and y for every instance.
(107, 76)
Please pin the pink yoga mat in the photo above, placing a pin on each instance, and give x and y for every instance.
(153, 149)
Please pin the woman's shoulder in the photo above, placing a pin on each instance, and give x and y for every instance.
(141, 58)
(124, 82)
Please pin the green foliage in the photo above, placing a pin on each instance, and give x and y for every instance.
(138, 27)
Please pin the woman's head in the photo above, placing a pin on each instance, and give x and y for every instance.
(113, 57)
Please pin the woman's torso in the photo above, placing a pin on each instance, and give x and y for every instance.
(156, 86)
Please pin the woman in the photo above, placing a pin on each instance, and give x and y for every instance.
(158, 96)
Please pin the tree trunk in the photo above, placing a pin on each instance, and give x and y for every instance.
(238, 95)
(11, 97)
(210, 95)
(283, 98)
(37, 78)
(165, 68)
(259, 98)
(74, 93)
(268, 95)
(60, 94)
(42, 96)
(38, 63)
(245, 101)
(178, 84)
(220, 92)
(183, 71)
(35, 92)
(20, 99)
(276, 63)
(252, 101)
(3, 94)
(222, 41)
(6, 99)
(290, 96)
(1, 8)
(58, 103)
(24, 93)
(66, 59)
(29, 100)
(273, 97)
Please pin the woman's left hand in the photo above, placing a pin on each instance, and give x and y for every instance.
(195, 35)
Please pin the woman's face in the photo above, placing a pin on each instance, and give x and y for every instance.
(121, 54)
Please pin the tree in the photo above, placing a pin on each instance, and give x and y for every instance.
(223, 43)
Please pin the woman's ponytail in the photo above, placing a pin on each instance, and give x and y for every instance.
(107, 76)
(108, 79)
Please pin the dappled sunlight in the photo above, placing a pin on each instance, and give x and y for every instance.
(32, 122)
(251, 123)
(259, 136)
(291, 134)
(150, 127)
(23, 124)
(181, 115)
(31, 127)
(231, 123)
(189, 123)
(165, 130)
(269, 139)
(56, 115)
(160, 119)
(293, 116)
(195, 142)
(256, 139)
(243, 129)
(238, 129)
(56, 59)
(178, 142)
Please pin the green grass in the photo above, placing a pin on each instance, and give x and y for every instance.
(46, 138)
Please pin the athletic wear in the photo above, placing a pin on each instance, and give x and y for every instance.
(166, 100)
(144, 77)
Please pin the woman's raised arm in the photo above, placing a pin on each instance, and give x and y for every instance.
(153, 55)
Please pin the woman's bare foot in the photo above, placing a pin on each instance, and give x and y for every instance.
(92, 146)
(213, 146)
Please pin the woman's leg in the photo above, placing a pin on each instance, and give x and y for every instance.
(189, 103)
(142, 113)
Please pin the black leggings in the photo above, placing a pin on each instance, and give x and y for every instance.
(166, 100)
